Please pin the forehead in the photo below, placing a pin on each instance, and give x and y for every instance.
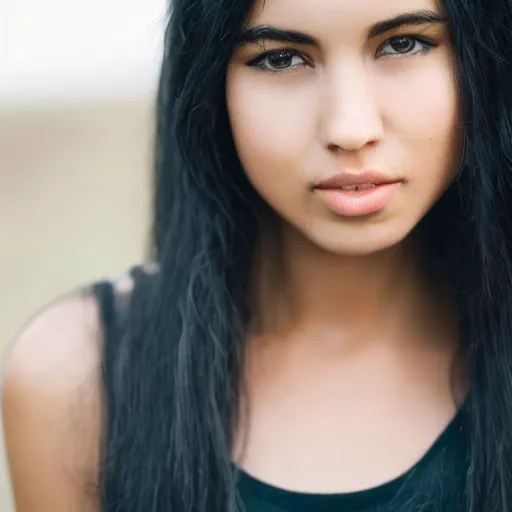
(323, 18)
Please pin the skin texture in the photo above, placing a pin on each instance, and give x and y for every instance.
(353, 353)
(50, 405)
(348, 105)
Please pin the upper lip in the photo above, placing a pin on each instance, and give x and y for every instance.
(356, 178)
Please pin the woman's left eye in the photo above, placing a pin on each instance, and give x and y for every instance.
(405, 45)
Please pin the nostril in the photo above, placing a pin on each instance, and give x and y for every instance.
(333, 147)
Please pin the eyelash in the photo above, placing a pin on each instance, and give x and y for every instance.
(259, 62)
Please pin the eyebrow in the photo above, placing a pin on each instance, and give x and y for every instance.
(424, 17)
(268, 33)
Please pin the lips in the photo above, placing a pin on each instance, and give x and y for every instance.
(359, 187)
(357, 194)
(356, 181)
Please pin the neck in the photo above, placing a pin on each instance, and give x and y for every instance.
(301, 288)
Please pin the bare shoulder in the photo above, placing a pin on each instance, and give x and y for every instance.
(52, 404)
(51, 407)
(58, 345)
(59, 349)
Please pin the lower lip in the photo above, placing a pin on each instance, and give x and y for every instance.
(355, 203)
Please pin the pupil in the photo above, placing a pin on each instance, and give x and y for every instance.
(280, 60)
(403, 44)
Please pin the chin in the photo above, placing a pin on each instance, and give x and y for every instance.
(360, 242)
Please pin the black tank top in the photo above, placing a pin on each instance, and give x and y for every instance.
(435, 484)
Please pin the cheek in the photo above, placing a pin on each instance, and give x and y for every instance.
(423, 114)
(271, 121)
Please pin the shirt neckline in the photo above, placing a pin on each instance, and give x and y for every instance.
(357, 500)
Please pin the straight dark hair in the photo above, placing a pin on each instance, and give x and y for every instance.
(172, 396)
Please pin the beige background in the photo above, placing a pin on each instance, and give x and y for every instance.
(74, 205)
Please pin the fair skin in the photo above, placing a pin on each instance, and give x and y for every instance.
(349, 299)
(50, 406)
(349, 373)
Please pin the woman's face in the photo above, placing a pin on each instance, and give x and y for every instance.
(348, 127)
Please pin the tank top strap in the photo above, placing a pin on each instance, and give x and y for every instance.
(104, 293)
(113, 299)
(112, 296)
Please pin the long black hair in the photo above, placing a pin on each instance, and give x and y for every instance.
(172, 396)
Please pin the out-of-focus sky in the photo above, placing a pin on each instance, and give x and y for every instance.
(74, 50)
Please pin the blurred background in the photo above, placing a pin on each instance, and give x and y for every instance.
(77, 89)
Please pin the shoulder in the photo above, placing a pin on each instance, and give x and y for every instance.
(61, 344)
(57, 337)
(51, 403)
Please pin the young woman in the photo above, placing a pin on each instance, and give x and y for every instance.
(328, 322)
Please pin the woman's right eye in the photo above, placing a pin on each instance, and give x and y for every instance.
(278, 60)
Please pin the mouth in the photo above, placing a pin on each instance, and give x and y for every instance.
(356, 181)
(355, 195)
(357, 187)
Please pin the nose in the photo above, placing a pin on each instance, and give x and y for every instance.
(350, 116)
